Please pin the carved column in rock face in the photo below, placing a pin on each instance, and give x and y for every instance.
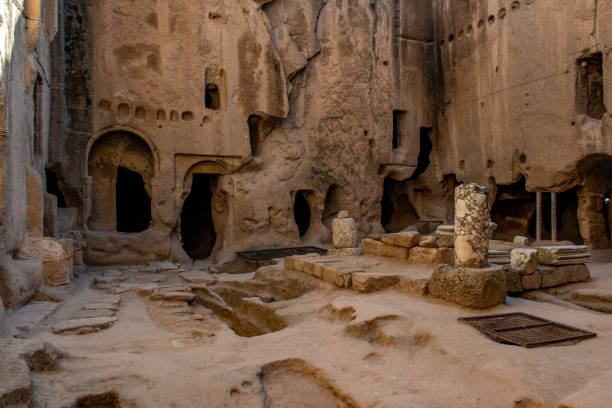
(471, 226)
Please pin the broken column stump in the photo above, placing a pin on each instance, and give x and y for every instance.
(471, 282)
(344, 235)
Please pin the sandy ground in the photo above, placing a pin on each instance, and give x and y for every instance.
(340, 349)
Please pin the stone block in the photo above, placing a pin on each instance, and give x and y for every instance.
(472, 226)
(472, 287)
(521, 240)
(499, 257)
(344, 233)
(445, 230)
(427, 242)
(524, 260)
(57, 264)
(344, 251)
(577, 273)
(5, 331)
(431, 256)
(339, 278)
(377, 248)
(563, 255)
(388, 239)
(371, 282)
(414, 286)
(533, 281)
(35, 202)
(513, 280)
(20, 280)
(406, 239)
(554, 276)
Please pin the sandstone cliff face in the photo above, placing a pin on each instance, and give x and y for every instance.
(523, 98)
(292, 110)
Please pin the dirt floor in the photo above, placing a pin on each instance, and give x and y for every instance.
(321, 346)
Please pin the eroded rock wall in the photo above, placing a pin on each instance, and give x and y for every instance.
(293, 109)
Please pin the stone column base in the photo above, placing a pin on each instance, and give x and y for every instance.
(479, 288)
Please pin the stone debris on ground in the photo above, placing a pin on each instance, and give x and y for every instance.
(24, 320)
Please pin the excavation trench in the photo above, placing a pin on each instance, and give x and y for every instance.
(250, 304)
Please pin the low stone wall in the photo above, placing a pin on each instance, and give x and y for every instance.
(412, 247)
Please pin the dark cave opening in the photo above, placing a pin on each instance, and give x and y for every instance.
(301, 212)
(133, 202)
(197, 226)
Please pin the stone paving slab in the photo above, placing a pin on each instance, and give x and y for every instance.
(25, 319)
(81, 326)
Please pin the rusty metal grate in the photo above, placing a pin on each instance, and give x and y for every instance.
(273, 253)
(525, 330)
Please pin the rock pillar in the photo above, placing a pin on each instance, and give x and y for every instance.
(471, 226)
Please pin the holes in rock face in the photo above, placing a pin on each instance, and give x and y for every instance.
(516, 5)
(523, 158)
(335, 201)
(104, 105)
(187, 116)
(589, 86)
(451, 38)
(106, 400)
(174, 116)
(214, 88)
(480, 23)
(460, 34)
(133, 202)
(123, 109)
(470, 29)
(397, 211)
(502, 13)
(205, 120)
(491, 19)
(212, 97)
(513, 210)
(301, 211)
(398, 127)
(54, 188)
(197, 226)
(38, 100)
(140, 113)
(161, 115)
(254, 122)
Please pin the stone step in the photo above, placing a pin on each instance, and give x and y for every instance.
(82, 326)
(592, 295)
(603, 307)
(563, 255)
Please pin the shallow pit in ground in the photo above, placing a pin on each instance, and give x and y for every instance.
(249, 303)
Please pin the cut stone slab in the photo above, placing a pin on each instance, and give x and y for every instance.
(339, 278)
(88, 314)
(513, 280)
(499, 257)
(345, 251)
(378, 248)
(177, 296)
(164, 266)
(198, 277)
(576, 273)
(57, 264)
(524, 260)
(592, 295)
(563, 255)
(109, 298)
(101, 306)
(371, 282)
(25, 319)
(82, 326)
(445, 241)
(472, 287)
(431, 256)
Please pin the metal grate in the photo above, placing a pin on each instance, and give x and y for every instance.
(525, 330)
(268, 254)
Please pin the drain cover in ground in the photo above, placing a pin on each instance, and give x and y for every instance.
(525, 330)
(273, 253)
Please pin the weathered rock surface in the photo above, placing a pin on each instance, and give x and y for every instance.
(344, 233)
(371, 282)
(55, 255)
(564, 255)
(83, 326)
(479, 288)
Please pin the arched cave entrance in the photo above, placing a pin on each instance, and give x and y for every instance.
(121, 166)
(301, 211)
(197, 226)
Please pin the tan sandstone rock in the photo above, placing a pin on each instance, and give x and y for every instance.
(479, 288)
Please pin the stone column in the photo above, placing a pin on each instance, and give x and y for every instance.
(471, 226)
(344, 235)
